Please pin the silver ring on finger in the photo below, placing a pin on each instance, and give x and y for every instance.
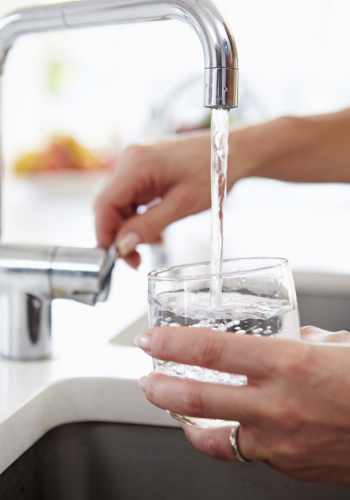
(234, 444)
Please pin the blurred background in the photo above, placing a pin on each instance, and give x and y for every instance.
(66, 101)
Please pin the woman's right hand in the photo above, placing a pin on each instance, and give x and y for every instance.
(176, 172)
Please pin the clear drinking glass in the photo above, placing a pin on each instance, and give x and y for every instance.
(257, 298)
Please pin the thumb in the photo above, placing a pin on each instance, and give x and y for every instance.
(147, 227)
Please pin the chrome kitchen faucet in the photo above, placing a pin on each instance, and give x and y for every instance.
(31, 277)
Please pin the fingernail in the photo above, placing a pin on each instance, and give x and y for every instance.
(144, 342)
(143, 383)
(127, 244)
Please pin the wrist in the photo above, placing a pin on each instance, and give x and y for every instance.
(259, 150)
(242, 157)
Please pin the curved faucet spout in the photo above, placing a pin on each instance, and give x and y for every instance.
(26, 21)
(220, 54)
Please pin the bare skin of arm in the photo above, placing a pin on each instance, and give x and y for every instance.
(309, 149)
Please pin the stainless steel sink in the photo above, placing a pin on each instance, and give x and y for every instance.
(97, 461)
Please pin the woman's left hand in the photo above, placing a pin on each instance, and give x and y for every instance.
(294, 411)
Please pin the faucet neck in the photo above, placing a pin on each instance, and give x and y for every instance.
(219, 49)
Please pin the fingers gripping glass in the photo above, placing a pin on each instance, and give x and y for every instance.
(258, 299)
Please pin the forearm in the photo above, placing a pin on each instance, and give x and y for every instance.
(309, 149)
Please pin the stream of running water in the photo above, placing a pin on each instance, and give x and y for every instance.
(219, 148)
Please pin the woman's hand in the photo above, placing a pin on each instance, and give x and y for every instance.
(294, 411)
(175, 172)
